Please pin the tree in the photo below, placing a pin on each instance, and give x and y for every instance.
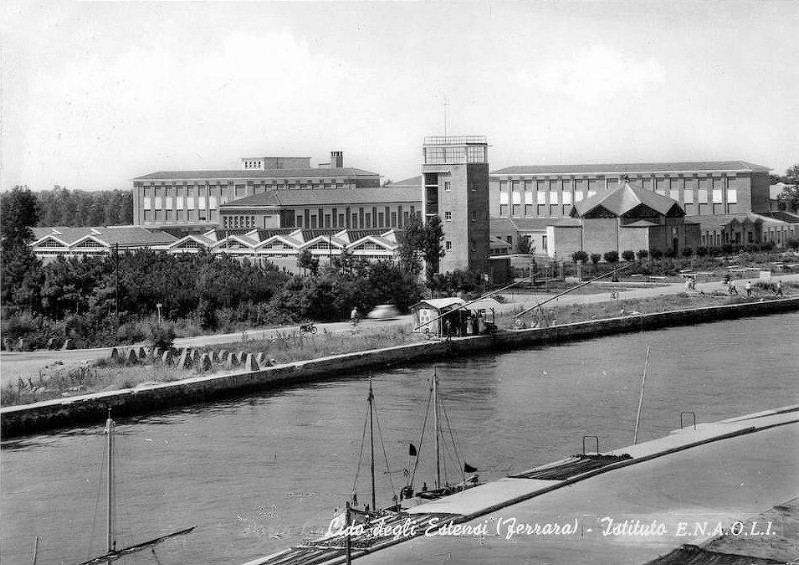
(422, 240)
(21, 277)
(611, 256)
(306, 261)
(579, 256)
(524, 246)
(643, 254)
(628, 255)
(789, 197)
(19, 212)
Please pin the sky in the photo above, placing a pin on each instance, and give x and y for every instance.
(93, 94)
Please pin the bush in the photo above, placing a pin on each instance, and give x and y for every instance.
(131, 332)
(702, 251)
(628, 255)
(595, 257)
(611, 256)
(656, 254)
(578, 256)
(687, 251)
(162, 336)
(792, 244)
(643, 254)
(670, 253)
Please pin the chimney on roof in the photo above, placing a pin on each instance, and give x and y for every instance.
(336, 159)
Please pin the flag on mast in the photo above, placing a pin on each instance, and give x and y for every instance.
(411, 450)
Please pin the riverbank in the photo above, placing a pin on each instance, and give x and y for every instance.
(92, 408)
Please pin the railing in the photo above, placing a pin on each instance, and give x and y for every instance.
(454, 139)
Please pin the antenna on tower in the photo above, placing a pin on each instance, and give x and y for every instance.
(445, 104)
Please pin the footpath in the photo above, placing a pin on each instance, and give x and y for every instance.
(630, 505)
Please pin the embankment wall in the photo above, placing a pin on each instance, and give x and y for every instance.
(90, 408)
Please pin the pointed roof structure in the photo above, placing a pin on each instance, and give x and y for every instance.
(624, 199)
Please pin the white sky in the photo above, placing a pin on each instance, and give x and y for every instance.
(94, 94)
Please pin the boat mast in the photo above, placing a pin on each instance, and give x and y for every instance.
(372, 441)
(435, 427)
(110, 543)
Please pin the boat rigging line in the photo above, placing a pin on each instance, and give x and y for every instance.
(572, 289)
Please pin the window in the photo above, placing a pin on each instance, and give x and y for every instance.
(201, 202)
(528, 197)
(503, 197)
(688, 195)
(541, 197)
(716, 196)
(553, 197)
(380, 219)
(447, 216)
(474, 215)
(190, 202)
(567, 197)
(578, 196)
(158, 203)
(701, 196)
(147, 203)
(446, 186)
(732, 196)
(448, 246)
(591, 193)
(393, 219)
(674, 194)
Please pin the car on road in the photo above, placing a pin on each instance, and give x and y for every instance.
(383, 312)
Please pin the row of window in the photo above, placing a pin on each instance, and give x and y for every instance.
(530, 197)
(448, 246)
(178, 215)
(241, 190)
(455, 155)
(448, 216)
(233, 222)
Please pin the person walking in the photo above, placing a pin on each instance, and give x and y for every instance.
(748, 288)
(355, 316)
(779, 288)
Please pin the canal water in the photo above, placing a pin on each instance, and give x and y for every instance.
(259, 473)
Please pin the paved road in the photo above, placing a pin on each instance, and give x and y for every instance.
(28, 364)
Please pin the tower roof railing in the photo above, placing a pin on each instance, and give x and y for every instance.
(454, 139)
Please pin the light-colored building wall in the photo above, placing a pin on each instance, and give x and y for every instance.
(600, 235)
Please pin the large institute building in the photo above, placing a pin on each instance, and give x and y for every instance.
(274, 208)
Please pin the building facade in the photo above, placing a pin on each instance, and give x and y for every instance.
(368, 208)
(195, 197)
(455, 188)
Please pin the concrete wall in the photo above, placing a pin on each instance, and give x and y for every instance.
(92, 408)
(564, 241)
(600, 235)
(634, 239)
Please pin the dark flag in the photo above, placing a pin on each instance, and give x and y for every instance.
(411, 450)
(468, 468)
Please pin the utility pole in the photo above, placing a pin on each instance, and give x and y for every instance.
(116, 291)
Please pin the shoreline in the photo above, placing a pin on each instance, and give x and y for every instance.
(91, 408)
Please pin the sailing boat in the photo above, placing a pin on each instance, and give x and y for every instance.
(112, 553)
(440, 488)
(369, 511)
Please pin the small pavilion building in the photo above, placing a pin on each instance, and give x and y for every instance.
(625, 218)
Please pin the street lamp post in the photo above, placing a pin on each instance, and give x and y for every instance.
(159, 312)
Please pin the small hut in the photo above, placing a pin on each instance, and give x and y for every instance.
(430, 316)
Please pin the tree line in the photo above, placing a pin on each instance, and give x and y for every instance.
(102, 300)
(79, 208)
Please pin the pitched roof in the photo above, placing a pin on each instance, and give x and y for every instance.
(125, 236)
(366, 196)
(258, 174)
(412, 181)
(620, 168)
(440, 303)
(640, 224)
(783, 216)
(623, 199)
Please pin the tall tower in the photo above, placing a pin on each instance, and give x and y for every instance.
(455, 188)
